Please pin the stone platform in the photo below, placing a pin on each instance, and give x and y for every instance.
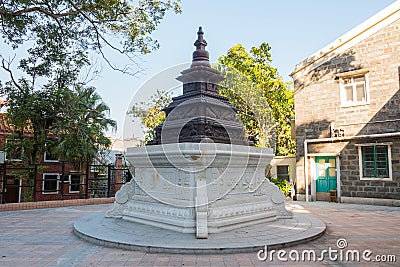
(200, 188)
(112, 232)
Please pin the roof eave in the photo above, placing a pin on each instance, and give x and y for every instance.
(372, 25)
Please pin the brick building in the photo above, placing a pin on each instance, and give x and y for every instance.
(55, 179)
(347, 105)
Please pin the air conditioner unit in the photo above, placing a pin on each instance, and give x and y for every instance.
(2, 157)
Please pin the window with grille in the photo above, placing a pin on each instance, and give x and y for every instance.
(74, 183)
(50, 183)
(375, 161)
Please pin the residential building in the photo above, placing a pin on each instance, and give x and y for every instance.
(55, 179)
(347, 105)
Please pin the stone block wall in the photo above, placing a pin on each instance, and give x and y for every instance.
(352, 186)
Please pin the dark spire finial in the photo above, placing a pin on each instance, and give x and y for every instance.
(200, 54)
(200, 42)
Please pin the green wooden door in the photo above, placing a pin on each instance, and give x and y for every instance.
(326, 174)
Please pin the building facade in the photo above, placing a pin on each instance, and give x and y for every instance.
(284, 167)
(55, 179)
(347, 105)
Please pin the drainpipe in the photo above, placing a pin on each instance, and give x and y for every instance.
(306, 167)
(337, 139)
(338, 177)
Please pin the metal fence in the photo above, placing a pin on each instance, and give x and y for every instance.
(59, 180)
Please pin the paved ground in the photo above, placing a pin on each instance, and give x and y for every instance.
(44, 238)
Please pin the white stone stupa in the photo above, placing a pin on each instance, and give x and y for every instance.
(200, 174)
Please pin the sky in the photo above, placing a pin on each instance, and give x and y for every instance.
(295, 29)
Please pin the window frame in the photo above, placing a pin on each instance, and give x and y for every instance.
(57, 185)
(354, 75)
(70, 182)
(361, 161)
(287, 176)
(2, 157)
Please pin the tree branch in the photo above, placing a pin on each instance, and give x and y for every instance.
(56, 19)
(7, 68)
(39, 9)
(98, 37)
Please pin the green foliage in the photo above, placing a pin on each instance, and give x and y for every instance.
(81, 130)
(251, 106)
(151, 113)
(69, 122)
(32, 115)
(29, 190)
(267, 87)
(282, 184)
(63, 30)
(49, 108)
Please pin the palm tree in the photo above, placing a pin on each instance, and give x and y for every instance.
(84, 124)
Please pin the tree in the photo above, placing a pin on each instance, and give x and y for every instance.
(59, 31)
(81, 130)
(32, 115)
(256, 66)
(48, 104)
(64, 122)
(251, 106)
(48, 98)
(70, 123)
(151, 114)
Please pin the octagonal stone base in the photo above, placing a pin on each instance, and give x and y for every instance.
(199, 188)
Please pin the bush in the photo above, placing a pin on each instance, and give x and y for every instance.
(283, 185)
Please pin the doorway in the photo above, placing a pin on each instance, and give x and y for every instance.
(12, 189)
(326, 176)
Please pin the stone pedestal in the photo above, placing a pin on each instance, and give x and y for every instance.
(199, 188)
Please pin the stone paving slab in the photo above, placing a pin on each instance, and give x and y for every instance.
(119, 233)
(44, 238)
